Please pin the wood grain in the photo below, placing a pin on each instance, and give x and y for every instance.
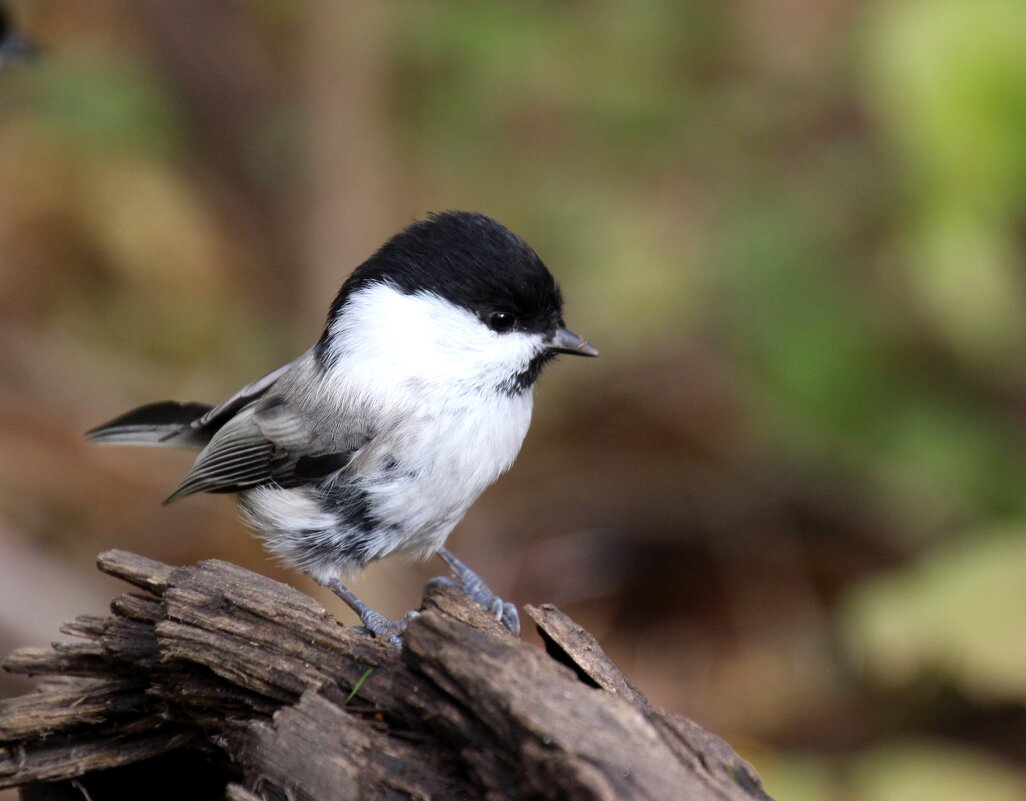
(217, 682)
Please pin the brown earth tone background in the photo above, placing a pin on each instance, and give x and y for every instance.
(789, 498)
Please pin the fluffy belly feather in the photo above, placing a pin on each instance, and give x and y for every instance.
(404, 495)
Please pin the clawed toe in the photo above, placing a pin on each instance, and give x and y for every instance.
(509, 616)
(374, 623)
(443, 581)
(503, 611)
(390, 631)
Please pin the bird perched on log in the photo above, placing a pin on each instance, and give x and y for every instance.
(377, 440)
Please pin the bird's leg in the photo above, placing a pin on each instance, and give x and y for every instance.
(474, 588)
(376, 623)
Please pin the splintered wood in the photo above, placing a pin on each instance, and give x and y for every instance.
(212, 681)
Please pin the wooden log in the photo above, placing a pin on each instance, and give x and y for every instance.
(217, 682)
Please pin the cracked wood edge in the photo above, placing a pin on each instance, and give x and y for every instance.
(217, 658)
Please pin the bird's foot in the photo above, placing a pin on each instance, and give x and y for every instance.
(375, 623)
(390, 631)
(471, 585)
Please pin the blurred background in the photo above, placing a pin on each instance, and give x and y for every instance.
(789, 499)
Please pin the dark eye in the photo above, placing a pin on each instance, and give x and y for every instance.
(501, 321)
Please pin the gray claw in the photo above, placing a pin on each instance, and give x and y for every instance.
(443, 581)
(391, 631)
(509, 616)
(503, 611)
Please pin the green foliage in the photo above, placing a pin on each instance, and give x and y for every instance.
(955, 614)
(829, 203)
(359, 683)
(109, 103)
(907, 770)
(947, 82)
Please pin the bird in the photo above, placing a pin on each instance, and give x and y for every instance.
(14, 46)
(377, 440)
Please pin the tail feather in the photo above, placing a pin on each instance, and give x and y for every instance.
(164, 423)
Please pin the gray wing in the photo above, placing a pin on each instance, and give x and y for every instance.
(220, 414)
(268, 443)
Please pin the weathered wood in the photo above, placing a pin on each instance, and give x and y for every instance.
(263, 690)
(575, 647)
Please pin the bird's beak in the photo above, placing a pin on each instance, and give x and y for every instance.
(568, 342)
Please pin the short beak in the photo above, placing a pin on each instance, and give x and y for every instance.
(568, 342)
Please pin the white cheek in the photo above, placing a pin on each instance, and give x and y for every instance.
(386, 338)
(432, 374)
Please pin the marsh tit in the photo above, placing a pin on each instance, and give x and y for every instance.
(378, 439)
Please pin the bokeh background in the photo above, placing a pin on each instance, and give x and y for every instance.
(789, 498)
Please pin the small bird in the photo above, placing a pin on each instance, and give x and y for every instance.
(14, 46)
(377, 440)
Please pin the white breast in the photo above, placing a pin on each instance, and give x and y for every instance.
(443, 465)
(430, 373)
(439, 368)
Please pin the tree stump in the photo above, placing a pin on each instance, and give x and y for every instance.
(211, 681)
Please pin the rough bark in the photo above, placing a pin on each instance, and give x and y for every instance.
(212, 681)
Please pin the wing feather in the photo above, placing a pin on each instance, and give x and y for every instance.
(238, 456)
(253, 391)
(265, 443)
